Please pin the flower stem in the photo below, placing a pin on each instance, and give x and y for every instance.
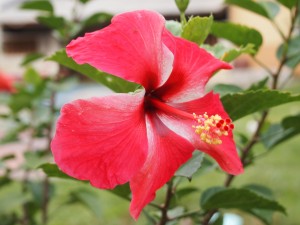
(164, 209)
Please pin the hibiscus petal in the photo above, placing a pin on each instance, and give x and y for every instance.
(225, 154)
(167, 151)
(192, 68)
(102, 140)
(130, 48)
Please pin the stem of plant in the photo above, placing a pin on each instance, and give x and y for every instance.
(164, 209)
(255, 137)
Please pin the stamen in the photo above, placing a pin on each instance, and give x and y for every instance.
(211, 128)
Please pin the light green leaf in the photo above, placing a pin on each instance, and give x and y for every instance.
(197, 29)
(259, 85)
(237, 34)
(114, 83)
(293, 56)
(229, 54)
(242, 104)
(43, 5)
(225, 89)
(242, 198)
(190, 167)
(31, 76)
(174, 27)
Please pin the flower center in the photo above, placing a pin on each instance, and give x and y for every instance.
(211, 128)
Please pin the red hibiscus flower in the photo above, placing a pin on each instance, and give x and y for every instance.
(6, 83)
(143, 137)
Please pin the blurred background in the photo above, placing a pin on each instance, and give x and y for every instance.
(21, 34)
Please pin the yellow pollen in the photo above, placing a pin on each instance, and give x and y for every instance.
(211, 128)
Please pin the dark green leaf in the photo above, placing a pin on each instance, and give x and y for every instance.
(244, 199)
(4, 180)
(43, 5)
(242, 104)
(174, 27)
(219, 220)
(260, 85)
(288, 3)
(53, 171)
(31, 58)
(114, 83)
(89, 199)
(97, 19)
(191, 166)
(197, 29)
(260, 190)
(266, 9)
(278, 133)
(292, 56)
(266, 216)
(53, 22)
(237, 34)
(122, 191)
(224, 89)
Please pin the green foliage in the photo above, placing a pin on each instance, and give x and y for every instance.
(225, 89)
(292, 52)
(190, 167)
(197, 29)
(289, 3)
(238, 105)
(89, 199)
(31, 58)
(53, 22)
(96, 19)
(267, 9)
(53, 171)
(174, 27)
(43, 5)
(278, 133)
(244, 199)
(237, 34)
(114, 83)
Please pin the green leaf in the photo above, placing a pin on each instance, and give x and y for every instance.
(114, 83)
(259, 85)
(174, 27)
(225, 89)
(278, 133)
(197, 29)
(242, 198)
(237, 34)
(190, 167)
(53, 22)
(31, 76)
(292, 56)
(31, 58)
(97, 19)
(43, 5)
(266, 9)
(51, 170)
(13, 134)
(229, 54)
(122, 191)
(89, 199)
(242, 104)
(288, 3)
